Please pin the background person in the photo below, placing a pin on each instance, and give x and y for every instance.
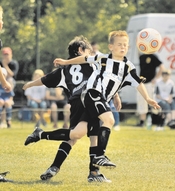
(36, 98)
(12, 68)
(58, 100)
(164, 91)
(11, 65)
(150, 68)
(95, 48)
(6, 101)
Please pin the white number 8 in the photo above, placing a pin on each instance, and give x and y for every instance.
(77, 76)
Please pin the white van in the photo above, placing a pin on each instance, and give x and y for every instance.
(165, 24)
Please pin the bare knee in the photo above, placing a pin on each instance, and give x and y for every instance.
(108, 119)
(111, 121)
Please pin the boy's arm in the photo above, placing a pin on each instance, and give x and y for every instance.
(29, 84)
(141, 88)
(117, 102)
(77, 60)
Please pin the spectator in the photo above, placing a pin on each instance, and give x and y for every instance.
(6, 101)
(36, 98)
(150, 68)
(12, 66)
(95, 48)
(164, 90)
(57, 100)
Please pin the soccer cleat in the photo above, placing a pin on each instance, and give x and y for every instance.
(2, 177)
(34, 137)
(98, 178)
(103, 161)
(50, 172)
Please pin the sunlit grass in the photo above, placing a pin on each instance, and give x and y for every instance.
(145, 161)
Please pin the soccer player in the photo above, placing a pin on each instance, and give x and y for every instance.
(113, 72)
(73, 79)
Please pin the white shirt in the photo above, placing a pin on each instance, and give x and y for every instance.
(36, 92)
(164, 89)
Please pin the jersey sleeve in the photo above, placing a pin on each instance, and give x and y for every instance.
(132, 79)
(96, 58)
(52, 79)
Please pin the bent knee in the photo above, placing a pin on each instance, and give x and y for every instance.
(109, 121)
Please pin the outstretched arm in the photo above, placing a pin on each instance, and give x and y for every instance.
(141, 88)
(77, 60)
(29, 84)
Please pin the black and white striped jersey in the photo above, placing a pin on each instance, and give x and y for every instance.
(73, 78)
(111, 75)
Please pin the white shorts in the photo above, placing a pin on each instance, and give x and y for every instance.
(142, 106)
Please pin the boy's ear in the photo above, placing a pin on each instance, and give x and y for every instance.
(110, 47)
(80, 50)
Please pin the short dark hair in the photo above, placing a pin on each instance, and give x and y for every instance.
(78, 41)
(93, 43)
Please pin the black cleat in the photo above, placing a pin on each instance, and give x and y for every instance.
(50, 172)
(103, 161)
(34, 137)
(2, 177)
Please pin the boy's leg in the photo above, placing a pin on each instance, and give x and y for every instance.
(62, 153)
(94, 171)
(58, 135)
(97, 106)
(8, 116)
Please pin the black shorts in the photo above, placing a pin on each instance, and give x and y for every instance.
(78, 114)
(95, 103)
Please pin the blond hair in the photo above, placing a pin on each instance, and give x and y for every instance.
(113, 34)
(166, 71)
(39, 72)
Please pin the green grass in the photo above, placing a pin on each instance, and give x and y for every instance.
(145, 161)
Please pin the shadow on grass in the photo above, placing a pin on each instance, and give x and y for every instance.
(38, 182)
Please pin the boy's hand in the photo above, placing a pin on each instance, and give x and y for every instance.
(27, 85)
(118, 103)
(153, 103)
(59, 61)
(7, 86)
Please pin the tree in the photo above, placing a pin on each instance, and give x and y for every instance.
(61, 20)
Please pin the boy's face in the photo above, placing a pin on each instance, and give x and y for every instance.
(119, 48)
(1, 20)
(165, 76)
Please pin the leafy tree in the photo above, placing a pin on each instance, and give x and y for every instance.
(61, 20)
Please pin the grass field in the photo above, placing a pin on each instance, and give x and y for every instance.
(145, 161)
